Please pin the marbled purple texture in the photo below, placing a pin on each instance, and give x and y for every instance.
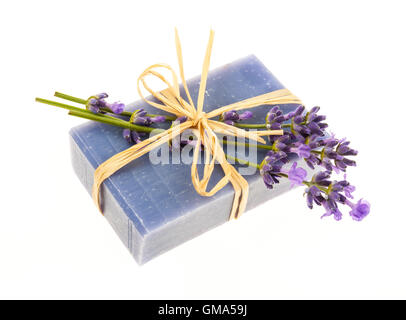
(154, 208)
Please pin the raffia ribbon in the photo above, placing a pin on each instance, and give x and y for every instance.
(203, 127)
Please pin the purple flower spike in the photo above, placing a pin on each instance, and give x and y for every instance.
(127, 135)
(359, 210)
(102, 95)
(97, 102)
(93, 105)
(246, 115)
(301, 149)
(135, 136)
(131, 136)
(117, 107)
(322, 178)
(296, 175)
(344, 149)
(232, 116)
(142, 121)
(271, 167)
(140, 117)
(305, 136)
(178, 121)
(332, 209)
(158, 119)
(93, 102)
(273, 120)
(348, 190)
(315, 129)
(314, 194)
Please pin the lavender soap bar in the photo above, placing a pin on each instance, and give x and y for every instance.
(154, 207)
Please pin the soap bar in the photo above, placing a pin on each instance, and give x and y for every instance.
(154, 207)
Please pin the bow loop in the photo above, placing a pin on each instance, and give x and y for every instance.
(170, 98)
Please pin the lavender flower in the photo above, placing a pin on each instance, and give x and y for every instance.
(314, 194)
(348, 190)
(178, 121)
(139, 117)
(131, 136)
(359, 210)
(312, 161)
(334, 152)
(304, 131)
(102, 95)
(343, 149)
(328, 198)
(330, 194)
(301, 149)
(296, 175)
(305, 136)
(116, 107)
(298, 112)
(322, 178)
(331, 209)
(231, 117)
(271, 167)
(274, 120)
(96, 103)
(282, 143)
(93, 105)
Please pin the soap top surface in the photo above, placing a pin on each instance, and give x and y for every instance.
(153, 195)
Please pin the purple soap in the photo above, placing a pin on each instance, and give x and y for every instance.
(154, 207)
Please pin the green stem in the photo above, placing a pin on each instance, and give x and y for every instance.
(306, 183)
(260, 146)
(311, 183)
(70, 98)
(124, 113)
(129, 114)
(86, 114)
(167, 118)
(251, 164)
(250, 126)
(112, 121)
(257, 126)
(59, 105)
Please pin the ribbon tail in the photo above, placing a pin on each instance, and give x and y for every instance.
(240, 185)
(243, 186)
(205, 72)
(201, 185)
(181, 71)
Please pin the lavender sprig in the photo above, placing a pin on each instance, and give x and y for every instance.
(232, 117)
(97, 104)
(324, 192)
(140, 117)
(304, 136)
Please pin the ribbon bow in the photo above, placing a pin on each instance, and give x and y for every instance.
(203, 127)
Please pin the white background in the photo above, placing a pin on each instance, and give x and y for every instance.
(347, 56)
